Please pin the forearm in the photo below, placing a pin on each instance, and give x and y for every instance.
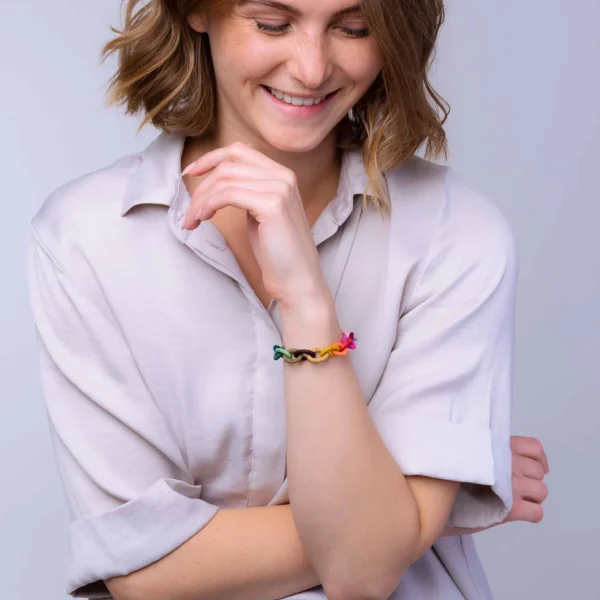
(252, 553)
(248, 553)
(353, 508)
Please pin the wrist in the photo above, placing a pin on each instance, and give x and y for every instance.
(315, 305)
(310, 325)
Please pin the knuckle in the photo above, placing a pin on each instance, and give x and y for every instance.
(539, 471)
(221, 185)
(226, 192)
(533, 445)
(536, 446)
(290, 178)
(229, 190)
(238, 148)
(223, 169)
(283, 187)
(274, 204)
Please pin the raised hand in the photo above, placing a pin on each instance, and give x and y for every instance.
(278, 230)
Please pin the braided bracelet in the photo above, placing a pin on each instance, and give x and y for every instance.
(316, 355)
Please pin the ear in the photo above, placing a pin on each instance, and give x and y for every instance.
(197, 21)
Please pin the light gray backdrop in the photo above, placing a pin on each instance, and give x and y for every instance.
(522, 78)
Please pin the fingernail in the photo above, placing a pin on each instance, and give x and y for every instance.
(187, 169)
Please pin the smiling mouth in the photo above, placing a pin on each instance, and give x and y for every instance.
(297, 100)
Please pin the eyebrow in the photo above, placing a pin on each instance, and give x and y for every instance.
(295, 10)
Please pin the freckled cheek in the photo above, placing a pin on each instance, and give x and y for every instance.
(246, 65)
(258, 63)
(360, 67)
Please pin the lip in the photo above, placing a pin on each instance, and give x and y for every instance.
(299, 111)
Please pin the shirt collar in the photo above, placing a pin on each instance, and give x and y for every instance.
(156, 178)
(158, 175)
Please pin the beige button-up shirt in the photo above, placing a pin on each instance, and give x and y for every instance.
(156, 358)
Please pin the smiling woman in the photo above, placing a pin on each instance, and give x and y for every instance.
(381, 50)
(282, 197)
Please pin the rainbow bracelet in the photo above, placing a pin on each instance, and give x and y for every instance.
(316, 355)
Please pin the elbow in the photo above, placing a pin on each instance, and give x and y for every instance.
(377, 587)
(376, 592)
(397, 550)
(134, 587)
(121, 588)
(382, 583)
(346, 594)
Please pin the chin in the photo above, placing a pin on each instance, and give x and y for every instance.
(293, 142)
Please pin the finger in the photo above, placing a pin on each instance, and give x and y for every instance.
(531, 447)
(530, 489)
(523, 510)
(228, 170)
(236, 152)
(528, 467)
(257, 203)
(192, 219)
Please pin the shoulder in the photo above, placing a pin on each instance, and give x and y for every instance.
(79, 208)
(439, 213)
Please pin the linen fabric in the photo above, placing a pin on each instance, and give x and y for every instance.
(164, 402)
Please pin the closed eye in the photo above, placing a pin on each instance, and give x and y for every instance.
(357, 33)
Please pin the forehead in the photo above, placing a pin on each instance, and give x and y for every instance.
(303, 7)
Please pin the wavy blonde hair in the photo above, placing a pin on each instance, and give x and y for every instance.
(165, 70)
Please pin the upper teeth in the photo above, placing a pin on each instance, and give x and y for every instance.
(294, 99)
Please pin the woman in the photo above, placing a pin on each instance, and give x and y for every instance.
(218, 434)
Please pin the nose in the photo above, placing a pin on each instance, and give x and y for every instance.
(311, 63)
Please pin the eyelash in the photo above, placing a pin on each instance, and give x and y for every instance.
(357, 33)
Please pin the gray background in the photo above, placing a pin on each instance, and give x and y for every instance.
(522, 78)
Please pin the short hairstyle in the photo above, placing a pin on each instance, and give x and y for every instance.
(165, 70)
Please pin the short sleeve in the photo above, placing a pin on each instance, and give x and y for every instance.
(443, 403)
(130, 495)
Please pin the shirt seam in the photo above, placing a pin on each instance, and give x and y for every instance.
(55, 262)
(43, 246)
(428, 253)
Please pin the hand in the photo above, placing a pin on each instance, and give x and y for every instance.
(278, 230)
(530, 464)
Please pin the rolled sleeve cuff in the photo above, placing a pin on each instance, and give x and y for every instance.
(458, 452)
(133, 535)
